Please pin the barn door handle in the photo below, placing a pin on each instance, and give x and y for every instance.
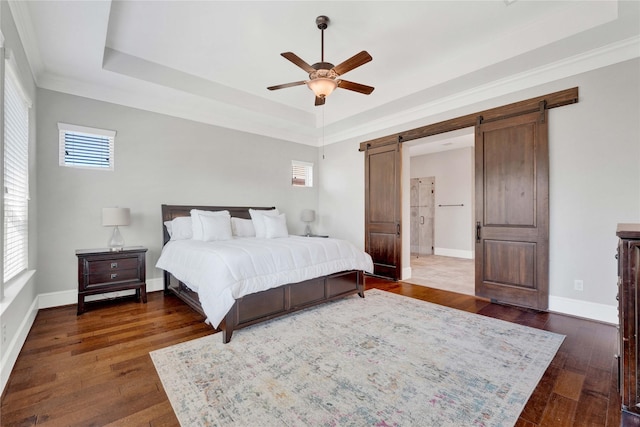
(478, 227)
(398, 229)
(421, 219)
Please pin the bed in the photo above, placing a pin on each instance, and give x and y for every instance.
(190, 263)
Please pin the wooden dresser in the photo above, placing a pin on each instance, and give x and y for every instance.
(628, 312)
(102, 271)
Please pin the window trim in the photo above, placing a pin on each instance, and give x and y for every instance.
(308, 176)
(10, 72)
(64, 128)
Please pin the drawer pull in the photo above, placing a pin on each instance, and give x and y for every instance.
(114, 275)
(114, 265)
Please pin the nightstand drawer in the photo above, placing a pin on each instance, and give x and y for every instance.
(102, 271)
(110, 265)
(115, 276)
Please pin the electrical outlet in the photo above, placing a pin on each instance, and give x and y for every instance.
(4, 333)
(578, 285)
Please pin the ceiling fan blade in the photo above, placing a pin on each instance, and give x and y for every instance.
(298, 61)
(355, 61)
(286, 85)
(319, 101)
(356, 87)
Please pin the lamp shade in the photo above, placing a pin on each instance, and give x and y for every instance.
(308, 215)
(116, 216)
(322, 87)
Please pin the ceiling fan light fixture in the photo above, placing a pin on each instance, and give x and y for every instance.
(322, 86)
(324, 77)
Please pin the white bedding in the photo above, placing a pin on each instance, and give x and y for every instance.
(222, 271)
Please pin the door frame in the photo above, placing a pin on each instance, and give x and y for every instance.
(547, 102)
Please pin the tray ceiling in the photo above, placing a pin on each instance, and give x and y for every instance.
(211, 61)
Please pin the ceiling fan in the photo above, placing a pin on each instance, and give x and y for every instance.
(324, 77)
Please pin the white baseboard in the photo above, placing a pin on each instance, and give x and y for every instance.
(10, 352)
(456, 253)
(57, 299)
(572, 307)
(406, 273)
(584, 309)
(48, 300)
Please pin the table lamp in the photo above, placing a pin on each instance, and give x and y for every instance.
(308, 216)
(114, 217)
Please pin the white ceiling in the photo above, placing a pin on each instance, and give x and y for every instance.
(211, 61)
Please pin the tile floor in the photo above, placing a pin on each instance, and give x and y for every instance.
(442, 272)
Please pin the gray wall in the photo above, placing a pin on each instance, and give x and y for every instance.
(594, 156)
(341, 182)
(594, 173)
(158, 159)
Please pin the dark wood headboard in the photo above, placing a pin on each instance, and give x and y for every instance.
(170, 212)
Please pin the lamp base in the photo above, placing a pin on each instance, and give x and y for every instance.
(116, 243)
(307, 230)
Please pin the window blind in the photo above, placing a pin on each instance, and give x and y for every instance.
(301, 174)
(86, 147)
(16, 176)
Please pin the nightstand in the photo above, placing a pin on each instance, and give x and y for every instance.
(102, 270)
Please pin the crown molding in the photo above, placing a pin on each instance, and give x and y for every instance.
(186, 106)
(298, 128)
(22, 19)
(598, 58)
(204, 110)
(141, 69)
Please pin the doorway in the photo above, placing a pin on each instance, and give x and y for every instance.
(447, 161)
(497, 276)
(443, 272)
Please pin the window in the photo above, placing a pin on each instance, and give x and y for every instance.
(85, 147)
(16, 175)
(301, 174)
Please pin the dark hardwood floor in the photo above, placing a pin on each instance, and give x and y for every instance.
(95, 369)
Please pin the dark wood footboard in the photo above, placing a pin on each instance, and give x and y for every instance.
(285, 299)
(266, 305)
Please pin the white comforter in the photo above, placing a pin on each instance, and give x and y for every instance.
(222, 271)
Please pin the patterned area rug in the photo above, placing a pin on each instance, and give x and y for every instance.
(384, 360)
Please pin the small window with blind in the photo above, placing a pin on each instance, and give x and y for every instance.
(301, 174)
(85, 147)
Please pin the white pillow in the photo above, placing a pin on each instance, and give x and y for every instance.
(180, 228)
(168, 225)
(258, 221)
(215, 227)
(196, 223)
(241, 227)
(275, 226)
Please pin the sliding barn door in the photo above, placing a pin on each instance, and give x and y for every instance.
(383, 239)
(512, 210)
